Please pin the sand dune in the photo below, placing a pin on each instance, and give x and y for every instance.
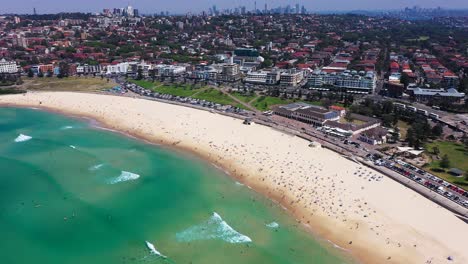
(375, 218)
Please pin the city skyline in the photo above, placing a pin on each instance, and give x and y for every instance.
(185, 6)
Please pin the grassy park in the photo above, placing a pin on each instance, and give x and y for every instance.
(83, 84)
(177, 90)
(215, 96)
(145, 84)
(457, 155)
(244, 98)
(264, 103)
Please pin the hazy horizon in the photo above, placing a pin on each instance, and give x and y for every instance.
(185, 6)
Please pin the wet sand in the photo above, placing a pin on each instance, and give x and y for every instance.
(372, 217)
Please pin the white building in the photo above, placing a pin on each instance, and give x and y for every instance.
(8, 66)
(88, 69)
(259, 77)
(120, 68)
(291, 77)
(171, 70)
(348, 81)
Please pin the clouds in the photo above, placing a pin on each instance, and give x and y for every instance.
(183, 6)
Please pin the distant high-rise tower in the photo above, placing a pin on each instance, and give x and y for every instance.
(34, 11)
(255, 7)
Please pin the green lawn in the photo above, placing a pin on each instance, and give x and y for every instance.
(264, 103)
(215, 96)
(177, 90)
(145, 84)
(85, 84)
(458, 157)
(244, 98)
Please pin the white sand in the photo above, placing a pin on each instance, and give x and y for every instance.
(337, 198)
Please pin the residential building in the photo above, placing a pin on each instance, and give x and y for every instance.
(348, 81)
(230, 72)
(8, 66)
(120, 68)
(88, 69)
(374, 136)
(291, 77)
(436, 95)
(259, 77)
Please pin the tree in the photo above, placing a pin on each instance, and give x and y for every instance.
(410, 136)
(139, 74)
(64, 69)
(387, 120)
(436, 150)
(437, 130)
(404, 79)
(153, 75)
(349, 117)
(30, 73)
(445, 162)
(396, 135)
(267, 63)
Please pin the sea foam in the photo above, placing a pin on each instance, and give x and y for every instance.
(153, 249)
(22, 138)
(272, 225)
(66, 127)
(214, 228)
(96, 167)
(125, 176)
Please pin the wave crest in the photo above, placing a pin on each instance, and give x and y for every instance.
(125, 176)
(214, 228)
(22, 138)
(272, 225)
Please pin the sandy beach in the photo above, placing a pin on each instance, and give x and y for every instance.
(372, 217)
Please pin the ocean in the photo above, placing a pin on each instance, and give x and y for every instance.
(74, 193)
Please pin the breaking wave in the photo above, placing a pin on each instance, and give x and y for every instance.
(125, 176)
(214, 228)
(22, 138)
(96, 167)
(73, 147)
(272, 225)
(153, 249)
(66, 127)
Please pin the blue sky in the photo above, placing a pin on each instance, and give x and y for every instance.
(183, 6)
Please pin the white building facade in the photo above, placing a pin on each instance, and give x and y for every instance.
(8, 66)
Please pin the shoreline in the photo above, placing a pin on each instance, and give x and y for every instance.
(318, 222)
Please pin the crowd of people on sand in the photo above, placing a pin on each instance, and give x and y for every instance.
(314, 183)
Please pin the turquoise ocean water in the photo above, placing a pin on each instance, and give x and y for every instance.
(71, 193)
